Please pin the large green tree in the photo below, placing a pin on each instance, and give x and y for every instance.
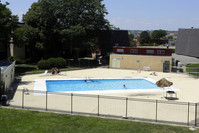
(54, 26)
(8, 23)
(158, 34)
(144, 37)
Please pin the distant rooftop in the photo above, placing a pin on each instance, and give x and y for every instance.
(4, 65)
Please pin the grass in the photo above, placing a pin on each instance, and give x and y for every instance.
(193, 69)
(193, 65)
(23, 121)
(23, 69)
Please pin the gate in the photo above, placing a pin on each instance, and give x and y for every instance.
(166, 66)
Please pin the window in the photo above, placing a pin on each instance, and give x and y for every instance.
(120, 50)
(150, 51)
(160, 51)
(134, 51)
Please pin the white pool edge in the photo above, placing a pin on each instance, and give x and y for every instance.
(40, 85)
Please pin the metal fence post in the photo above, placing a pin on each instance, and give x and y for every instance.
(46, 100)
(98, 106)
(126, 107)
(156, 112)
(195, 114)
(188, 115)
(22, 98)
(71, 103)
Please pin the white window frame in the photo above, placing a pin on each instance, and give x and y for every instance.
(150, 51)
(134, 51)
(120, 50)
(160, 51)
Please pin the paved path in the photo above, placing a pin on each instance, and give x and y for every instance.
(185, 59)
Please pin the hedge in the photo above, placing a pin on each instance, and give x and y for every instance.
(52, 62)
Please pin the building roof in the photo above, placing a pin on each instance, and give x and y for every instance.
(143, 55)
(4, 65)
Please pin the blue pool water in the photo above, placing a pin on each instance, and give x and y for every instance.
(98, 85)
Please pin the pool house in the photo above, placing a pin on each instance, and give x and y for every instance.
(7, 70)
(142, 58)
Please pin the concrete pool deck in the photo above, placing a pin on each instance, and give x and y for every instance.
(187, 85)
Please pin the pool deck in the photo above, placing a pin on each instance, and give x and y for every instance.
(187, 85)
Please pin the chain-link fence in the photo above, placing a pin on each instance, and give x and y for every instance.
(88, 63)
(194, 71)
(172, 112)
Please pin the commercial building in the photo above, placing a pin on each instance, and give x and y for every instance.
(188, 42)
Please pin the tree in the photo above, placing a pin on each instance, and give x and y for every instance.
(158, 34)
(76, 38)
(8, 23)
(41, 31)
(131, 41)
(114, 27)
(54, 26)
(144, 37)
(19, 37)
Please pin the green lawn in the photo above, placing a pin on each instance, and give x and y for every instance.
(23, 69)
(193, 65)
(23, 121)
(193, 69)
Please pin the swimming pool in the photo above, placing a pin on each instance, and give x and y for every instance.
(99, 85)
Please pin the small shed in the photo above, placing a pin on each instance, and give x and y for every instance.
(7, 71)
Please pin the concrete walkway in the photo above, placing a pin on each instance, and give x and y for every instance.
(185, 59)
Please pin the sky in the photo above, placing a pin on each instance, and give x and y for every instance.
(138, 14)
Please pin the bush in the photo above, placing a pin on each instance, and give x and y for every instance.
(149, 44)
(57, 62)
(2, 88)
(173, 51)
(52, 62)
(43, 64)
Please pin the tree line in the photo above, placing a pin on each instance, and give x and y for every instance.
(54, 28)
(62, 28)
(155, 37)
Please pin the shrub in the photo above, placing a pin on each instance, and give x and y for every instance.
(149, 44)
(43, 64)
(52, 62)
(2, 88)
(57, 62)
(11, 58)
(173, 51)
